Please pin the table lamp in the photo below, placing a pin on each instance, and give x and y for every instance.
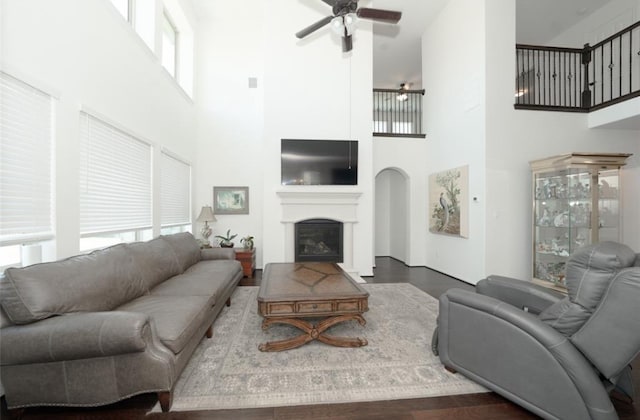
(206, 216)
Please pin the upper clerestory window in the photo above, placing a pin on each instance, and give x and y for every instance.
(169, 45)
(168, 33)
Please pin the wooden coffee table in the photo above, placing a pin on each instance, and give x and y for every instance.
(290, 292)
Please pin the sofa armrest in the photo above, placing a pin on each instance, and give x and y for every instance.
(75, 336)
(521, 294)
(218, 254)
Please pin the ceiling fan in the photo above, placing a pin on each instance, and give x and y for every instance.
(343, 19)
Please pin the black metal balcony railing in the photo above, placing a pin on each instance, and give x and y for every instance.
(397, 113)
(582, 80)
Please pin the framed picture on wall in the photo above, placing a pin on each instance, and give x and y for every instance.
(231, 200)
(448, 205)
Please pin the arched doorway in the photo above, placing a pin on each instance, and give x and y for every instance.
(392, 214)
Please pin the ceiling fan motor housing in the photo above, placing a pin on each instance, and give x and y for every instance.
(342, 8)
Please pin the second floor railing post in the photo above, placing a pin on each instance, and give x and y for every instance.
(579, 79)
(586, 92)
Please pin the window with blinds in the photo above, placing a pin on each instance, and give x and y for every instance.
(26, 162)
(115, 179)
(175, 191)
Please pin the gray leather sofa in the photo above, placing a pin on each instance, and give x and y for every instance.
(557, 356)
(98, 328)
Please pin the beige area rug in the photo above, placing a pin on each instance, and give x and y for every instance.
(228, 371)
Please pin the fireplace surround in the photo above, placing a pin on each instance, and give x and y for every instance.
(305, 203)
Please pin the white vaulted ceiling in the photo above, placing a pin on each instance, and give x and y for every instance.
(397, 50)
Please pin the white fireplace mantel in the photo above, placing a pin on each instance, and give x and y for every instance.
(308, 203)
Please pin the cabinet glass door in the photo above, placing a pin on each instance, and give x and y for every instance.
(562, 220)
(576, 202)
(609, 206)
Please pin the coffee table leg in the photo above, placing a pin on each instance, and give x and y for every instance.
(341, 341)
(312, 332)
(290, 343)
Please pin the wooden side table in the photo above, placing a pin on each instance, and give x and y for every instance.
(247, 258)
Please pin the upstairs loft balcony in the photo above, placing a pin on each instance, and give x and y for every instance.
(397, 113)
(579, 79)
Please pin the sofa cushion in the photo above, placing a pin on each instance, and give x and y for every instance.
(589, 272)
(206, 278)
(156, 260)
(99, 281)
(186, 248)
(176, 318)
(591, 268)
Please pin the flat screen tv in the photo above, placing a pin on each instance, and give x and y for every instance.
(319, 162)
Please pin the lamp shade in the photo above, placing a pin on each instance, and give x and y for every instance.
(206, 215)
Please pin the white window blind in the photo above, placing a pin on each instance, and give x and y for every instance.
(115, 179)
(26, 162)
(175, 191)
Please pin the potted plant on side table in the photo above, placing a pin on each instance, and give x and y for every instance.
(226, 241)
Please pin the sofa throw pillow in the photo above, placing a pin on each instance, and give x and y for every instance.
(99, 281)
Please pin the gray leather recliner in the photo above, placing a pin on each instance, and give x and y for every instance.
(555, 355)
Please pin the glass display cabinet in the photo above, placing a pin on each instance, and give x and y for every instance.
(576, 201)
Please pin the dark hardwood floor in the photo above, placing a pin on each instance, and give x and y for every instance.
(474, 406)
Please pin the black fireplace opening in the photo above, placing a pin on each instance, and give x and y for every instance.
(318, 240)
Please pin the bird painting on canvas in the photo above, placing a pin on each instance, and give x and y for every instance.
(445, 212)
(447, 197)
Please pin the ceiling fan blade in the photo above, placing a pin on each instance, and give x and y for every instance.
(312, 28)
(330, 2)
(390, 16)
(347, 43)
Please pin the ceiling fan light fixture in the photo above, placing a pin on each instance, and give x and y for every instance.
(337, 26)
(340, 23)
(349, 20)
(402, 95)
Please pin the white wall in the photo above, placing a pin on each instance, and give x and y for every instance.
(399, 213)
(230, 114)
(392, 214)
(314, 91)
(382, 233)
(307, 89)
(470, 119)
(515, 137)
(453, 77)
(406, 155)
(84, 52)
(614, 16)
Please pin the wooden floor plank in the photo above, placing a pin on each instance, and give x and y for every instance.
(503, 411)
